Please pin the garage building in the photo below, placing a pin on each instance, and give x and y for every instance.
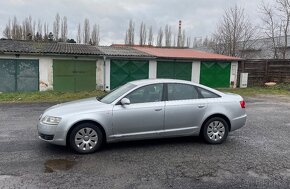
(39, 66)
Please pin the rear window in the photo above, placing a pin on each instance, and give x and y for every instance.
(181, 92)
(206, 93)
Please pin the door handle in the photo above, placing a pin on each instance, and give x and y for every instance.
(158, 109)
(201, 106)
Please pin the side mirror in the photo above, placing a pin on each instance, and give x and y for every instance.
(125, 101)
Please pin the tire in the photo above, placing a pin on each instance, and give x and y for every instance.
(86, 138)
(215, 130)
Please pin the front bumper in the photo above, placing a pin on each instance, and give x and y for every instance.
(52, 134)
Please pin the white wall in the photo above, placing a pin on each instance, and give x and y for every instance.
(45, 73)
(234, 74)
(152, 69)
(107, 74)
(195, 72)
(100, 74)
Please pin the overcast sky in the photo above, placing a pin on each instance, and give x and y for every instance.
(199, 17)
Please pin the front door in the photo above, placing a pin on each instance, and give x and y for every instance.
(143, 117)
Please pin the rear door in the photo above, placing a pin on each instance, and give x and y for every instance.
(184, 110)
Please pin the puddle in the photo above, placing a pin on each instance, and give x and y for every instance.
(58, 165)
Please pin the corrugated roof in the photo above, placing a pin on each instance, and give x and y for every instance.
(122, 51)
(30, 47)
(183, 53)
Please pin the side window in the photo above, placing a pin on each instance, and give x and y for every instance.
(149, 93)
(181, 92)
(207, 94)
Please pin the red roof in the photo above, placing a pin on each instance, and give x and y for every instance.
(183, 53)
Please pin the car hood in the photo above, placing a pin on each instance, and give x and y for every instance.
(77, 107)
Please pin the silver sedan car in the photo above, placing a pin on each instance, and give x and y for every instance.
(144, 109)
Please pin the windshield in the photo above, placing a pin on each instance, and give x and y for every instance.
(113, 95)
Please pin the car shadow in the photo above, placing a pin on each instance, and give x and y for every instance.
(126, 145)
(152, 143)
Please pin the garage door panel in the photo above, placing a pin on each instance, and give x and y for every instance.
(74, 75)
(84, 83)
(19, 75)
(27, 68)
(63, 67)
(64, 84)
(183, 70)
(27, 84)
(123, 71)
(87, 68)
(174, 70)
(215, 74)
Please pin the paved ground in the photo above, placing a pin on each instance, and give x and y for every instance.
(256, 156)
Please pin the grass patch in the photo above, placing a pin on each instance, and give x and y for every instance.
(48, 96)
(280, 89)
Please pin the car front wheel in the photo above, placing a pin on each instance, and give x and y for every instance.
(215, 130)
(86, 138)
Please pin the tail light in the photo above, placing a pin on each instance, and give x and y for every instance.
(243, 104)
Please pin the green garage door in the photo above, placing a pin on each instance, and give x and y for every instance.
(123, 71)
(74, 75)
(215, 74)
(174, 70)
(19, 75)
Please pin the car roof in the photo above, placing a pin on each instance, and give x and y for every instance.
(152, 81)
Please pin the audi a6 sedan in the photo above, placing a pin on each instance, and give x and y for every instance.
(144, 109)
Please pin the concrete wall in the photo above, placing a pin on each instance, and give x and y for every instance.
(234, 75)
(152, 69)
(45, 74)
(195, 72)
(107, 72)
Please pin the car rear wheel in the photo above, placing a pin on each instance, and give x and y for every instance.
(86, 138)
(215, 130)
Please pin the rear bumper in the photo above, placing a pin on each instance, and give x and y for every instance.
(238, 122)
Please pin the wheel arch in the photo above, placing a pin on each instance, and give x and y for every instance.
(86, 121)
(216, 115)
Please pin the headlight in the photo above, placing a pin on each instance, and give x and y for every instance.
(50, 120)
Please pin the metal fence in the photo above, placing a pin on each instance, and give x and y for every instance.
(261, 71)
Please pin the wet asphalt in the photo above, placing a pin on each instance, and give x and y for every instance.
(256, 156)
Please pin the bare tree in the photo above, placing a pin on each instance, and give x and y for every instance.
(284, 14)
(79, 34)
(143, 34)
(130, 33)
(168, 35)
(64, 29)
(234, 33)
(27, 28)
(95, 35)
(86, 31)
(56, 27)
(150, 36)
(160, 37)
(271, 27)
(7, 30)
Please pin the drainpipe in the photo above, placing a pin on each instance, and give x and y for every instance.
(104, 79)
